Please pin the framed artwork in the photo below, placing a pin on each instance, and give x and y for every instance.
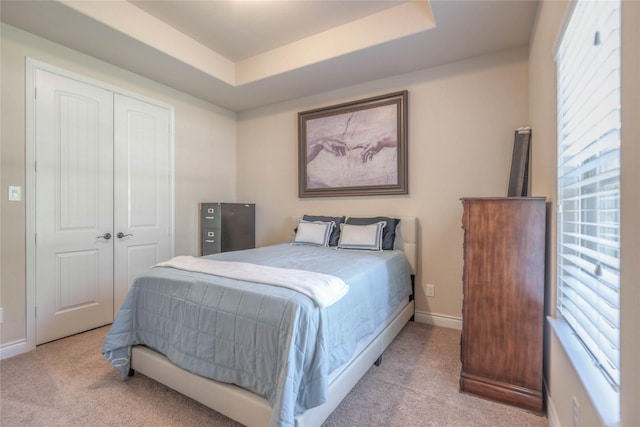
(354, 149)
(519, 175)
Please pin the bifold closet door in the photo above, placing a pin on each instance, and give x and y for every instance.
(103, 200)
(142, 190)
(74, 206)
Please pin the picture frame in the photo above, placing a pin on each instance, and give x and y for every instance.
(519, 174)
(357, 148)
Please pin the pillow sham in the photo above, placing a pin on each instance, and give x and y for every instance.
(389, 234)
(335, 234)
(314, 233)
(365, 237)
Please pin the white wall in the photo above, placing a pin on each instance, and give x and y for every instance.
(205, 156)
(462, 118)
(562, 381)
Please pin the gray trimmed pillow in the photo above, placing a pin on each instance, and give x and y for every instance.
(389, 234)
(315, 233)
(363, 237)
(335, 234)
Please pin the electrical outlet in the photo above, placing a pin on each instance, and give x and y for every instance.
(15, 193)
(431, 290)
(576, 413)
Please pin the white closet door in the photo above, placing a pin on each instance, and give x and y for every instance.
(142, 190)
(74, 206)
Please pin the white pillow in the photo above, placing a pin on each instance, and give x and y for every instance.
(314, 232)
(367, 237)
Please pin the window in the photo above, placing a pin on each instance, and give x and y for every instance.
(588, 64)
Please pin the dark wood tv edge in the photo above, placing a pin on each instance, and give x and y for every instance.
(527, 399)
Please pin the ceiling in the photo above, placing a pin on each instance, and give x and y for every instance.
(243, 54)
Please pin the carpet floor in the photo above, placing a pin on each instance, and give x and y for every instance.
(68, 383)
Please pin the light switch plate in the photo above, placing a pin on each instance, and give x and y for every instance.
(15, 193)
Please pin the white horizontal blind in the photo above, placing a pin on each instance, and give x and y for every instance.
(589, 180)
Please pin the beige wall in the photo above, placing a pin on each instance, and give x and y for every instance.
(562, 382)
(205, 156)
(542, 90)
(462, 119)
(630, 182)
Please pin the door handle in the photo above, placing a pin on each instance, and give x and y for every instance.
(105, 236)
(120, 235)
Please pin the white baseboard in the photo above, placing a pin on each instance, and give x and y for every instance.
(439, 320)
(18, 347)
(13, 349)
(552, 415)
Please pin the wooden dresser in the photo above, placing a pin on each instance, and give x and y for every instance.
(503, 307)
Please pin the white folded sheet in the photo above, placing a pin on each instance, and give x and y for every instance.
(324, 289)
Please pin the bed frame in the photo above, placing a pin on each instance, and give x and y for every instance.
(254, 410)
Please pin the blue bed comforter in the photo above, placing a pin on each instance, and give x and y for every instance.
(268, 339)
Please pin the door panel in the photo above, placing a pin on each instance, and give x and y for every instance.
(139, 259)
(76, 280)
(142, 190)
(74, 206)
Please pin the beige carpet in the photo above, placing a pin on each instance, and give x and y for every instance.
(68, 383)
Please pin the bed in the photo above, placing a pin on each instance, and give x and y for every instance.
(304, 370)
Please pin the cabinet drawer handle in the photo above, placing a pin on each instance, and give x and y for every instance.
(209, 241)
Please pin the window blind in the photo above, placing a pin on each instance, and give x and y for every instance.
(588, 64)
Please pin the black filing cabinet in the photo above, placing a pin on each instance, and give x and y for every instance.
(226, 227)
